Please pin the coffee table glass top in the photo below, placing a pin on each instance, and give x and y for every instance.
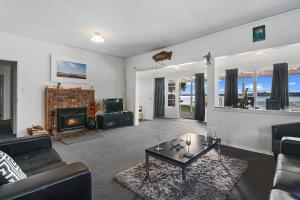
(198, 147)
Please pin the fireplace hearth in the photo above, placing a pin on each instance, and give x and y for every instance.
(71, 118)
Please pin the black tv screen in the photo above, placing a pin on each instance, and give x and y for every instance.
(113, 105)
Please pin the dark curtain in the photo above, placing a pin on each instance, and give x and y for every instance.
(199, 97)
(159, 97)
(280, 86)
(231, 87)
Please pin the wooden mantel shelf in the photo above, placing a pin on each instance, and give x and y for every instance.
(68, 89)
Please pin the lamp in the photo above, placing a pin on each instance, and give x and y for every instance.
(97, 38)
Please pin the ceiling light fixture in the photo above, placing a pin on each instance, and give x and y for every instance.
(97, 38)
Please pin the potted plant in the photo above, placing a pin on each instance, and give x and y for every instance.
(93, 109)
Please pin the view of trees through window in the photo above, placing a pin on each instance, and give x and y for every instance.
(264, 86)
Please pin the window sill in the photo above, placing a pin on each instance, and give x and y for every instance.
(258, 111)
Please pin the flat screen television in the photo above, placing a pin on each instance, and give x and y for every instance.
(113, 105)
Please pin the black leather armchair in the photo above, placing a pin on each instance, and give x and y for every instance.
(283, 130)
(49, 177)
(286, 184)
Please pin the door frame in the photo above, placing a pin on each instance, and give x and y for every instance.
(2, 97)
(14, 93)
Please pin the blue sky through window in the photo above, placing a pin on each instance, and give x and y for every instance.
(248, 82)
(264, 84)
(294, 82)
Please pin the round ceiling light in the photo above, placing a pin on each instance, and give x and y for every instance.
(97, 38)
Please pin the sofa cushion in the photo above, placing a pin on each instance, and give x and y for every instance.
(37, 159)
(10, 171)
(288, 163)
(287, 181)
(280, 195)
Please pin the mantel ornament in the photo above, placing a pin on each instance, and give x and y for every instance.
(164, 55)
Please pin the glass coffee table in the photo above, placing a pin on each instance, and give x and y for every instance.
(198, 148)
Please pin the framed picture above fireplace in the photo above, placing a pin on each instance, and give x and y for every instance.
(70, 70)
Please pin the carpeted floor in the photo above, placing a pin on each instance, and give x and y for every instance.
(123, 148)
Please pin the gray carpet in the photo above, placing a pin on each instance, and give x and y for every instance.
(82, 136)
(119, 150)
(208, 179)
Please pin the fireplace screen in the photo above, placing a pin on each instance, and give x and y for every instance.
(71, 118)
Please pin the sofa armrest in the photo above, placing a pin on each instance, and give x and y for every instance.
(72, 181)
(21, 145)
(290, 145)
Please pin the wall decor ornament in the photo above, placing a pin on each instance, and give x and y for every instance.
(259, 33)
(207, 58)
(164, 55)
(70, 70)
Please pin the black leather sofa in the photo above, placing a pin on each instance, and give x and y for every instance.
(286, 184)
(49, 177)
(283, 130)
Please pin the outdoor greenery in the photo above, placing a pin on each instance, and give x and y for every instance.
(186, 108)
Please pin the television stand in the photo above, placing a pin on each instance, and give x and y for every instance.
(114, 120)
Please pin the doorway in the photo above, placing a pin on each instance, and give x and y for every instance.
(8, 98)
(187, 98)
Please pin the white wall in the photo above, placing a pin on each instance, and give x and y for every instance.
(5, 70)
(280, 30)
(33, 57)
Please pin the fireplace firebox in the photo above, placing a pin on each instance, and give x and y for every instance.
(71, 118)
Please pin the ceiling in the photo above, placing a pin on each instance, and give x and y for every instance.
(130, 27)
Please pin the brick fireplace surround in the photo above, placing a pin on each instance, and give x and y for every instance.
(65, 98)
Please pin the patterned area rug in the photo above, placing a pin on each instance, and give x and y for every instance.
(207, 178)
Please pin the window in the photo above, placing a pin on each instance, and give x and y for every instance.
(244, 82)
(171, 93)
(294, 88)
(263, 87)
(221, 90)
(205, 91)
(187, 96)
